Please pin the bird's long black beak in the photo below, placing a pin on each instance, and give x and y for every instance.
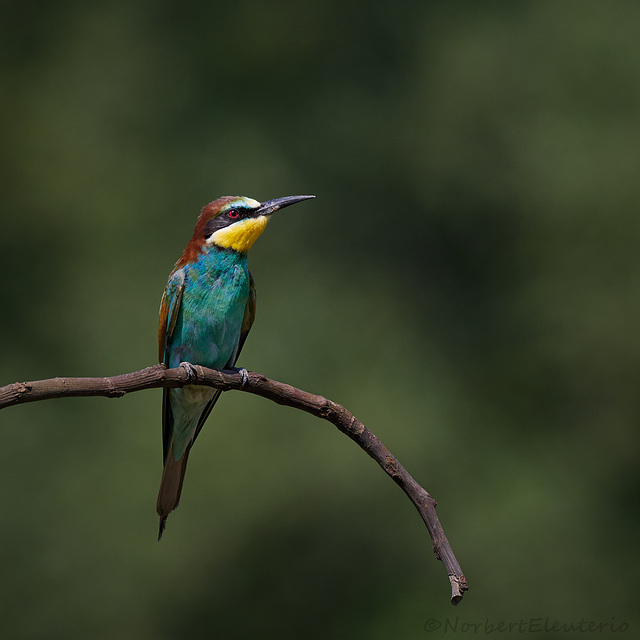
(271, 206)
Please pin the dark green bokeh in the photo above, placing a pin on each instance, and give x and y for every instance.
(466, 283)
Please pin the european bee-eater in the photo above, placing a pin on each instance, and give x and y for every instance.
(206, 312)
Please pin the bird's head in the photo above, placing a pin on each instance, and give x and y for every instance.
(236, 222)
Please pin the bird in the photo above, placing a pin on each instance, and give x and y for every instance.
(206, 313)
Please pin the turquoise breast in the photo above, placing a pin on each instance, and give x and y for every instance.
(216, 290)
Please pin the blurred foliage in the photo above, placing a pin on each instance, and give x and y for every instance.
(466, 283)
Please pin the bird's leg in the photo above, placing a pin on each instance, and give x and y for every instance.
(244, 374)
(190, 370)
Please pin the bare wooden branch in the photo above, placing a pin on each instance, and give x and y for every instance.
(284, 394)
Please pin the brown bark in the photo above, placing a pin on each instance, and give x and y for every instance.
(159, 376)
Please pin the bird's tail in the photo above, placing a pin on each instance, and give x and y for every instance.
(170, 486)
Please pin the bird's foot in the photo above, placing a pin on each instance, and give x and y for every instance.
(244, 374)
(190, 370)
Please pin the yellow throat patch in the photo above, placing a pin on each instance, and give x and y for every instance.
(240, 235)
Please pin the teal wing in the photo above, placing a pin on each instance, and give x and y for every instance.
(247, 320)
(169, 309)
(247, 323)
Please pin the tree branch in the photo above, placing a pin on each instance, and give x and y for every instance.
(256, 383)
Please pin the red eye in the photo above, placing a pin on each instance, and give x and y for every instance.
(232, 213)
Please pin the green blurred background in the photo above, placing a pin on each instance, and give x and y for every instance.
(466, 282)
